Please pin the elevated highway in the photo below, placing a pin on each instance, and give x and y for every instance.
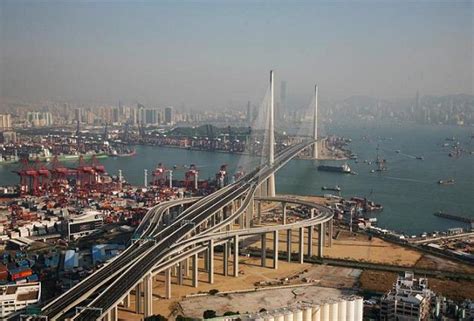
(174, 232)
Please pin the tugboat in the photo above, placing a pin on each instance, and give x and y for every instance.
(335, 188)
(446, 182)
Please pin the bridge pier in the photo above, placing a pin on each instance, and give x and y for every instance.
(249, 214)
(126, 301)
(320, 240)
(301, 245)
(211, 261)
(331, 232)
(310, 241)
(179, 274)
(263, 238)
(148, 297)
(275, 249)
(259, 212)
(195, 270)
(288, 244)
(186, 267)
(205, 257)
(236, 256)
(138, 298)
(168, 283)
(225, 259)
(113, 314)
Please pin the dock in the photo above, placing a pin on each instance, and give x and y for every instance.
(455, 217)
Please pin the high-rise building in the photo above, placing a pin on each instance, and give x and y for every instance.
(169, 115)
(39, 119)
(5, 121)
(78, 113)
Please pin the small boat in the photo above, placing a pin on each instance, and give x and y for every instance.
(335, 188)
(446, 182)
(397, 151)
(420, 157)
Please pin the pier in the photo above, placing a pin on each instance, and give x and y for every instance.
(454, 217)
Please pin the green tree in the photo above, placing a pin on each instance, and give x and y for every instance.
(209, 314)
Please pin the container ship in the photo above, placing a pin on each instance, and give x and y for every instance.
(344, 168)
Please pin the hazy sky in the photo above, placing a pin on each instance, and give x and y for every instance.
(205, 53)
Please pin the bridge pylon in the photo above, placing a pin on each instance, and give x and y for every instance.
(271, 138)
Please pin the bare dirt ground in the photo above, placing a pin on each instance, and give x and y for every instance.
(352, 247)
(379, 281)
(251, 273)
(433, 262)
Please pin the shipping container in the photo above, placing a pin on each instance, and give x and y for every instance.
(32, 278)
(19, 273)
(3, 273)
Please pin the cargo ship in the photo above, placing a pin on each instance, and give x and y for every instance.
(344, 168)
(125, 153)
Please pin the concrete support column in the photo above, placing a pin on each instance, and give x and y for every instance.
(249, 214)
(301, 245)
(283, 208)
(195, 270)
(138, 298)
(288, 244)
(179, 277)
(206, 260)
(320, 240)
(263, 245)
(225, 259)
(148, 297)
(126, 301)
(236, 256)
(331, 232)
(241, 220)
(168, 283)
(275, 249)
(259, 212)
(186, 267)
(211, 261)
(310, 241)
(113, 314)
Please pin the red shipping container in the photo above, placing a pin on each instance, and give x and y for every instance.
(23, 274)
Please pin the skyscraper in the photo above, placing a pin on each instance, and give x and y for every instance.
(5, 121)
(169, 117)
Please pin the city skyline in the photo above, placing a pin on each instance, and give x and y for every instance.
(206, 55)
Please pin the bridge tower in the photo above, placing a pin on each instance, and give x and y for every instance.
(315, 123)
(271, 138)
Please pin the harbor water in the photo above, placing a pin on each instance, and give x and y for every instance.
(408, 190)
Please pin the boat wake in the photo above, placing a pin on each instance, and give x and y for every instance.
(406, 179)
